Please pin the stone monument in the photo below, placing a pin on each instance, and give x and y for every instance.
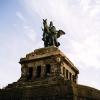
(47, 74)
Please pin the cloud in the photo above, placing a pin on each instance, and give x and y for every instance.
(30, 33)
(20, 16)
(87, 51)
(95, 11)
(90, 7)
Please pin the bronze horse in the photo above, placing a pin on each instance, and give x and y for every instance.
(46, 33)
(49, 37)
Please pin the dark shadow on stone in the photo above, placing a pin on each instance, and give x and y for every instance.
(38, 72)
(30, 73)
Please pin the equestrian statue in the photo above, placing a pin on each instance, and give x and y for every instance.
(50, 34)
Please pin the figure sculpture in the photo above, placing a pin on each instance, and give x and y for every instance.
(50, 34)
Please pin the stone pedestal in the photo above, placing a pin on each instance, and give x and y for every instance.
(48, 63)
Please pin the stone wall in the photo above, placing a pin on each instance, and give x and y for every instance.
(58, 90)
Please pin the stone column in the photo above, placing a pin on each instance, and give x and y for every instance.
(24, 70)
(43, 70)
(34, 72)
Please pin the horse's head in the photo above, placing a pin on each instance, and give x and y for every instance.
(46, 29)
(44, 21)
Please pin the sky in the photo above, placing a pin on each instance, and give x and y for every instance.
(20, 33)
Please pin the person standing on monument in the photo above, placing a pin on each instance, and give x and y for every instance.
(53, 34)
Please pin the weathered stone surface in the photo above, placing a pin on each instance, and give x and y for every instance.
(52, 56)
(47, 74)
(60, 90)
(88, 93)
